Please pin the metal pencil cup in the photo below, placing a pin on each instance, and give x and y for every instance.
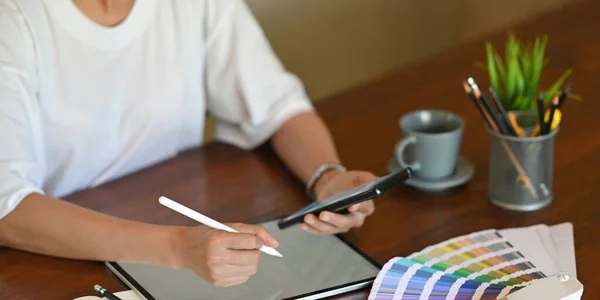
(521, 168)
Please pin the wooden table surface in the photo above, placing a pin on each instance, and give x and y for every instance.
(364, 122)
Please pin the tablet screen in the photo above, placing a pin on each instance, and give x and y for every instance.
(311, 264)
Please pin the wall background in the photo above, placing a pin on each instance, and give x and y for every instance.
(333, 45)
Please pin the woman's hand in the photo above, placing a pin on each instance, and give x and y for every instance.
(330, 184)
(219, 257)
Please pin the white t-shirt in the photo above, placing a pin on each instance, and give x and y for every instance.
(82, 104)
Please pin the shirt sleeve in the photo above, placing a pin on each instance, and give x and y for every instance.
(249, 91)
(20, 174)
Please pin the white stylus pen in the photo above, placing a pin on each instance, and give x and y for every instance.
(192, 214)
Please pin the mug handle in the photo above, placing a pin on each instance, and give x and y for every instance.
(400, 147)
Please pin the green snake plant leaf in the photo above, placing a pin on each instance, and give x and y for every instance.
(520, 78)
(499, 66)
(526, 64)
(481, 65)
(512, 72)
(528, 47)
(539, 50)
(491, 65)
(574, 97)
(502, 75)
(555, 88)
(521, 103)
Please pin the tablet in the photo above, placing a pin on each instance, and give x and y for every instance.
(312, 267)
(341, 201)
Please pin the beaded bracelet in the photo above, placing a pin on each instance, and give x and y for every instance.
(324, 168)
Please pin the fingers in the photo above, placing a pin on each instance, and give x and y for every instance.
(367, 208)
(265, 236)
(230, 281)
(310, 229)
(320, 226)
(233, 272)
(332, 223)
(234, 240)
(221, 258)
(231, 257)
(242, 257)
(337, 220)
(232, 248)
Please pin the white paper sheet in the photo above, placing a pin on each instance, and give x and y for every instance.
(125, 295)
(543, 232)
(564, 242)
(530, 244)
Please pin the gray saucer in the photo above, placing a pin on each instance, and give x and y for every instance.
(463, 173)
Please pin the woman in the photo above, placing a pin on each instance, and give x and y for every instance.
(91, 90)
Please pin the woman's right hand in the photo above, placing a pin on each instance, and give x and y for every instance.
(219, 257)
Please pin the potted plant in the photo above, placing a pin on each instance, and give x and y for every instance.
(515, 79)
(521, 164)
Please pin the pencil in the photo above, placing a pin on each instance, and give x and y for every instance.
(485, 116)
(503, 113)
(490, 108)
(522, 174)
(487, 105)
(105, 293)
(515, 124)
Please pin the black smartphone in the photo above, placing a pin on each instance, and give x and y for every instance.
(339, 202)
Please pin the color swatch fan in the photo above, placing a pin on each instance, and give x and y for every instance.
(487, 264)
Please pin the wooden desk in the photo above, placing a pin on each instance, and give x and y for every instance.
(364, 123)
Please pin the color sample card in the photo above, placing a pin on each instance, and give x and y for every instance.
(488, 264)
(406, 279)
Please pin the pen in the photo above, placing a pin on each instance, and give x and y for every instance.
(553, 107)
(105, 293)
(555, 120)
(564, 94)
(540, 107)
(192, 214)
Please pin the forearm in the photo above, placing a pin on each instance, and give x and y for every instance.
(304, 143)
(53, 227)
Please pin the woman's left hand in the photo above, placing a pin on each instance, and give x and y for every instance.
(332, 223)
